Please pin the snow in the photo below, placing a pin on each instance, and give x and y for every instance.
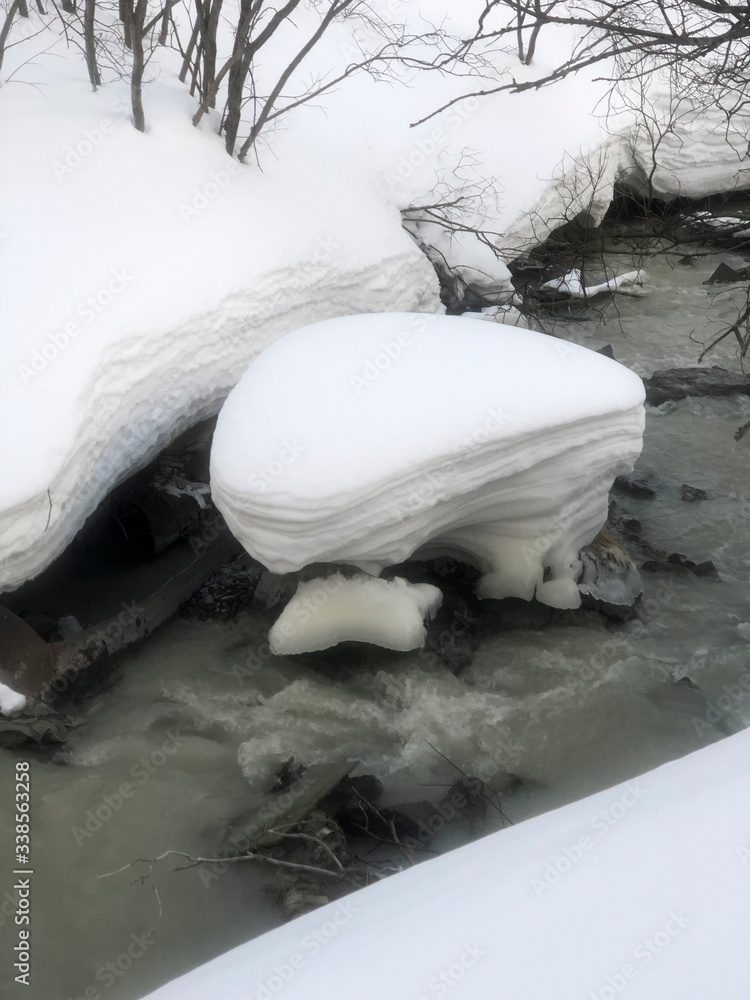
(143, 272)
(165, 267)
(366, 439)
(10, 701)
(640, 890)
(325, 612)
(572, 284)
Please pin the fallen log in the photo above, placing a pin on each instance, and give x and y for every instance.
(34, 667)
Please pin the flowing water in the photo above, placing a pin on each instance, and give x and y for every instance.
(164, 753)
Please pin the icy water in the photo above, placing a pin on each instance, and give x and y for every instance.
(570, 709)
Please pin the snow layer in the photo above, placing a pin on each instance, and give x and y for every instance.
(142, 272)
(10, 700)
(363, 440)
(640, 890)
(324, 612)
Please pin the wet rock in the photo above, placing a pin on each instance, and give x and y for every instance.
(726, 275)
(350, 792)
(38, 724)
(294, 792)
(609, 578)
(692, 493)
(607, 351)
(634, 487)
(679, 383)
(678, 562)
(227, 593)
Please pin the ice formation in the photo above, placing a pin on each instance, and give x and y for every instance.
(364, 440)
(10, 700)
(324, 612)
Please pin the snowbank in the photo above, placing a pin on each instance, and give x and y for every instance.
(642, 888)
(324, 612)
(143, 272)
(363, 440)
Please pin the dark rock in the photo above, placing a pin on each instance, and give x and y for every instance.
(726, 275)
(632, 526)
(686, 682)
(677, 562)
(692, 493)
(707, 569)
(349, 793)
(679, 383)
(607, 352)
(634, 487)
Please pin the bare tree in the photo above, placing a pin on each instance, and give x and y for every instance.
(706, 40)
(6, 26)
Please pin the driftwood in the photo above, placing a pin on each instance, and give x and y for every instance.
(34, 667)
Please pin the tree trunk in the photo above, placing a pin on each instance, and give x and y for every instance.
(89, 15)
(136, 19)
(5, 30)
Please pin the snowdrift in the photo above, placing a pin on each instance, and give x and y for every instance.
(364, 440)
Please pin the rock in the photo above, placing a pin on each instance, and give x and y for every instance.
(676, 561)
(68, 626)
(634, 487)
(726, 275)
(607, 352)
(37, 724)
(679, 383)
(692, 493)
(296, 791)
(707, 569)
(609, 577)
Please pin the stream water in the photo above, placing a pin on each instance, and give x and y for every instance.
(164, 752)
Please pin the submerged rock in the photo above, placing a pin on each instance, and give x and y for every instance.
(679, 383)
(692, 493)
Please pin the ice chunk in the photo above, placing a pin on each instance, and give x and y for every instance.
(324, 612)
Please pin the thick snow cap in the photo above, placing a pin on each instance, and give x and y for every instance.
(366, 439)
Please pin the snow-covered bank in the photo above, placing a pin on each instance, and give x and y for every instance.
(642, 888)
(165, 267)
(363, 440)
